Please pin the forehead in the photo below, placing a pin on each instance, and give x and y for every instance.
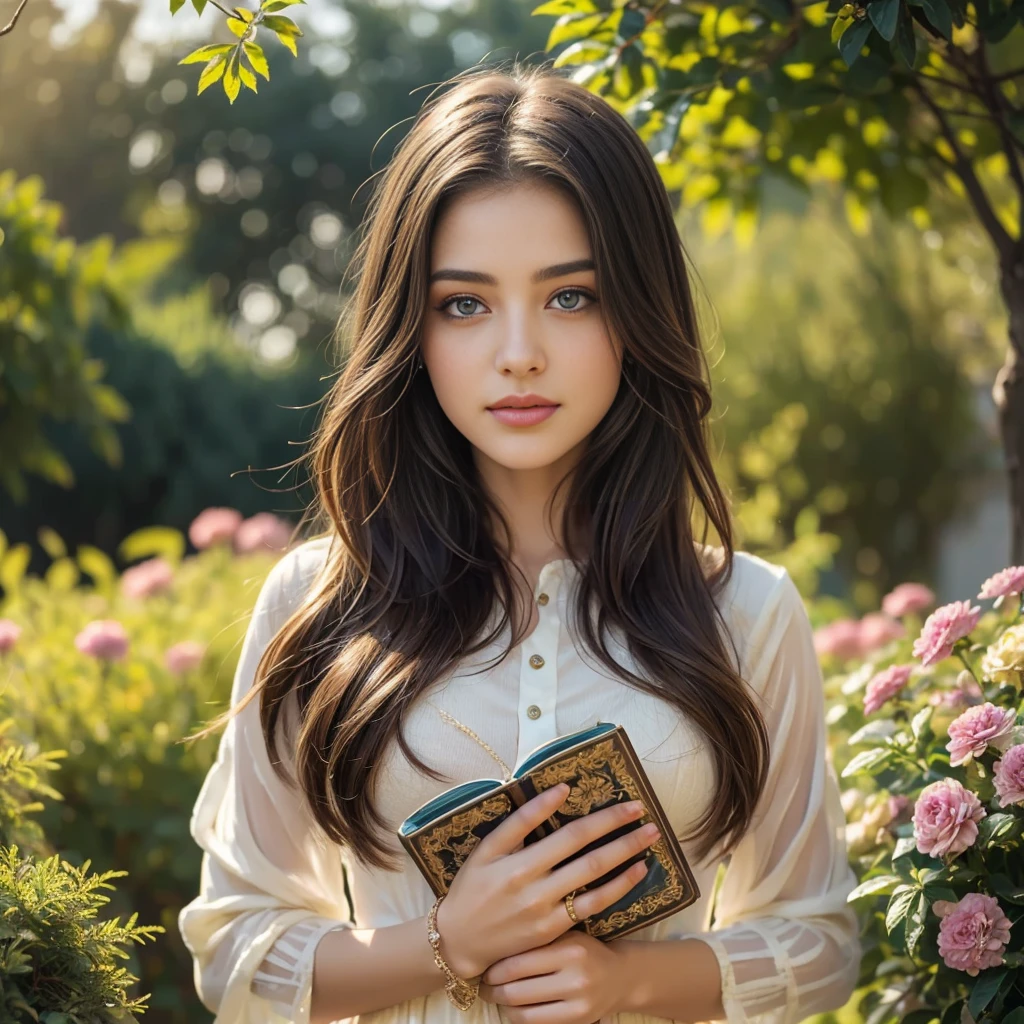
(492, 225)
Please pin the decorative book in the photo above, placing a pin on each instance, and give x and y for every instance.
(602, 768)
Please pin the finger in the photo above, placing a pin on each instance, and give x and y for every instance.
(574, 836)
(539, 960)
(598, 862)
(540, 988)
(521, 822)
(593, 901)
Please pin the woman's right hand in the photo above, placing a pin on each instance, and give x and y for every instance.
(505, 898)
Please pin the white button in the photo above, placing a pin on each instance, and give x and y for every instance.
(533, 711)
(542, 599)
(536, 661)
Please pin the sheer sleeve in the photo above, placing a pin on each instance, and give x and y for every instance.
(271, 885)
(786, 940)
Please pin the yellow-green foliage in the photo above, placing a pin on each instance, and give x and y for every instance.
(842, 380)
(129, 785)
(58, 965)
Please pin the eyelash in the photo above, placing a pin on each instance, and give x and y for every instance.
(455, 298)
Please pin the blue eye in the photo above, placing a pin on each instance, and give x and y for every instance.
(443, 308)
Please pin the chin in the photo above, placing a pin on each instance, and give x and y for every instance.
(524, 456)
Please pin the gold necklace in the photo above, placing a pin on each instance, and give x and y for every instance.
(469, 732)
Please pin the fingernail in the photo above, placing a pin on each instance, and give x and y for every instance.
(635, 807)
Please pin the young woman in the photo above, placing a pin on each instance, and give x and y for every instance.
(487, 579)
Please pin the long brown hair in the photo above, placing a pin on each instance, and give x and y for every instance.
(415, 575)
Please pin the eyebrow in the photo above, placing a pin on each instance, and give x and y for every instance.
(545, 274)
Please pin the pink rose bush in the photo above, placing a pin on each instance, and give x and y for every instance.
(973, 934)
(1009, 776)
(927, 733)
(946, 818)
(184, 656)
(263, 531)
(943, 629)
(153, 576)
(977, 729)
(906, 599)
(104, 640)
(214, 526)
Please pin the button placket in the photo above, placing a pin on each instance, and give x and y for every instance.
(538, 680)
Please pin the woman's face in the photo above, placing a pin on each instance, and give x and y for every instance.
(505, 317)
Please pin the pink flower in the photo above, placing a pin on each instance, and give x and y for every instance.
(147, 578)
(104, 639)
(976, 729)
(263, 530)
(184, 656)
(1009, 776)
(840, 639)
(1004, 583)
(906, 598)
(943, 628)
(877, 629)
(946, 818)
(9, 633)
(214, 526)
(973, 934)
(884, 686)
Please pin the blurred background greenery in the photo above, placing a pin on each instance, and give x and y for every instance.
(186, 259)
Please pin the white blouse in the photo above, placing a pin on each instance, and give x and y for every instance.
(272, 884)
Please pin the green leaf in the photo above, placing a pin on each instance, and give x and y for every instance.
(176, 5)
(998, 830)
(940, 16)
(839, 26)
(232, 83)
(631, 23)
(153, 540)
(238, 26)
(244, 14)
(583, 52)
(51, 542)
(247, 77)
(899, 905)
(199, 5)
(874, 887)
(205, 53)
(566, 7)
(269, 6)
(920, 721)
(282, 26)
(13, 567)
(866, 761)
(95, 562)
(984, 991)
(906, 39)
(915, 923)
(1015, 1016)
(257, 59)
(852, 40)
(1006, 889)
(883, 15)
(213, 72)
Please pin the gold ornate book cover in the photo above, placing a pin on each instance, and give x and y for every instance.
(601, 768)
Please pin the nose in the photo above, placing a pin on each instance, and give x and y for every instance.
(520, 346)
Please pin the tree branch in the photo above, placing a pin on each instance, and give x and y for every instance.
(223, 10)
(999, 235)
(1006, 75)
(14, 21)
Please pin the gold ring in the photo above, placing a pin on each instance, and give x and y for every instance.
(567, 899)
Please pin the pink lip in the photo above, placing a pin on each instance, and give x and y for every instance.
(523, 417)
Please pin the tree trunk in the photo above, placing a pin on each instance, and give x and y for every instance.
(1008, 392)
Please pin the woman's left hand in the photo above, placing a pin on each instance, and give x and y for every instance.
(576, 979)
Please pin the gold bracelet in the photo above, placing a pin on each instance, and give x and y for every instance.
(460, 992)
